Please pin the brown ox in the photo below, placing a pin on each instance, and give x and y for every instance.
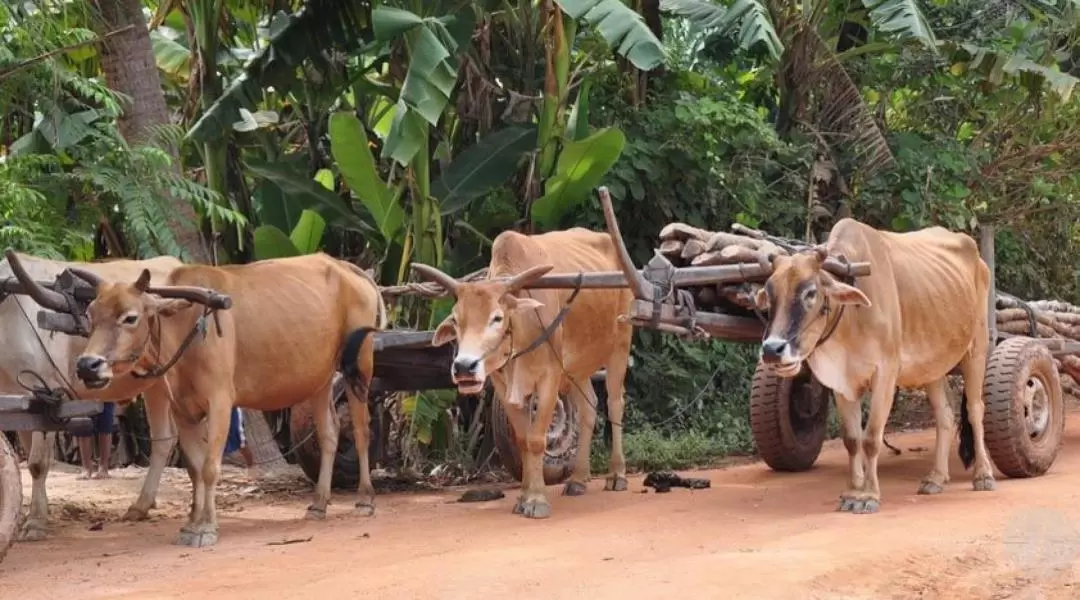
(494, 322)
(921, 312)
(277, 346)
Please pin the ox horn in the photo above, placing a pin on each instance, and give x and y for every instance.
(822, 252)
(526, 277)
(432, 274)
(88, 276)
(48, 298)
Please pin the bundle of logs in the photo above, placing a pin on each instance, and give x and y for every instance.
(686, 246)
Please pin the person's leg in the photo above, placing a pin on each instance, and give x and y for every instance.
(86, 455)
(104, 427)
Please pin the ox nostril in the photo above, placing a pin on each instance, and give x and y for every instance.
(773, 348)
(89, 364)
(465, 365)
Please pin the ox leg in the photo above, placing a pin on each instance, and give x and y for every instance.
(360, 413)
(584, 399)
(203, 531)
(39, 459)
(934, 482)
(162, 441)
(326, 428)
(850, 411)
(881, 401)
(616, 402)
(973, 369)
(533, 502)
(193, 444)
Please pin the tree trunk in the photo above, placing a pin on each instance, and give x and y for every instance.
(128, 62)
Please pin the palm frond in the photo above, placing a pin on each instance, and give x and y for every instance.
(308, 35)
(750, 18)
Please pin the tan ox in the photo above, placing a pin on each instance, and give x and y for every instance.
(921, 312)
(51, 355)
(496, 323)
(279, 345)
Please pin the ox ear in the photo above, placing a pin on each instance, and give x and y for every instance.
(143, 282)
(168, 307)
(761, 299)
(842, 293)
(515, 304)
(445, 332)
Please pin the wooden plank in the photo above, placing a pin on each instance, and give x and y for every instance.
(14, 403)
(62, 323)
(720, 326)
(386, 340)
(682, 277)
(39, 422)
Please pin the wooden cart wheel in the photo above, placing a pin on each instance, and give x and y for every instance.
(562, 441)
(1025, 408)
(305, 442)
(10, 495)
(788, 418)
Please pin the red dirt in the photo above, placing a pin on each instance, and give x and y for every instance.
(754, 534)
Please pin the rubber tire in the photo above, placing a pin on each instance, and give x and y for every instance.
(557, 469)
(302, 438)
(1012, 363)
(770, 414)
(10, 495)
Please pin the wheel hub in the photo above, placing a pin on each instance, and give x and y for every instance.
(1036, 407)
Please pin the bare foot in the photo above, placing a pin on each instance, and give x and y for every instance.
(85, 475)
(103, 475)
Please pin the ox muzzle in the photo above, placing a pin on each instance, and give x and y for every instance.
(467, 372)
(93, 371)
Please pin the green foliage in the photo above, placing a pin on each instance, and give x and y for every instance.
(621, 27)
(582, 164)
(350, 147)
(483, 167)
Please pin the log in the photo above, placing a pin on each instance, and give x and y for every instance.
(721, 239)
(683, 232)
(671, 248)
(708, 259)
(692, 248)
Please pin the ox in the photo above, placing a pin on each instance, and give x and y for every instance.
(922, 311)
(505, 332)
(277, 346)
(52, 357)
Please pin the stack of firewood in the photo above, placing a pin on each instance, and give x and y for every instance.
(1051, 319)
(686, 246)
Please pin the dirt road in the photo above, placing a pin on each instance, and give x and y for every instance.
(754, 534)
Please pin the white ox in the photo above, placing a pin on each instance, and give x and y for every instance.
(27, 347)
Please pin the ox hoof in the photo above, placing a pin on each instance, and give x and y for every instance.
(533, 508)
(33, 531)
(196, 539)
(365, 508)
(574, 488)
(315, 513)
(859, 506)
(135, 514)
(929, 488)
(984, 483)
(615, 484)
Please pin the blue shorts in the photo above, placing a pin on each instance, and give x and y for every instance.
(236, 440)
(103, 422)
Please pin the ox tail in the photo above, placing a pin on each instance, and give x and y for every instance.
(967, 436)
(350, 360)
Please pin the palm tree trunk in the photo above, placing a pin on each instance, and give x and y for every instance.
(128, 62)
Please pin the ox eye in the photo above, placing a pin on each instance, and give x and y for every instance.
(130, 319)
(496, 319)
(809, 295)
